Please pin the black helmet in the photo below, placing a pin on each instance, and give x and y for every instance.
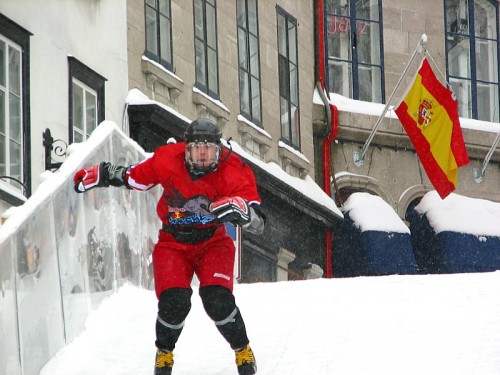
(203, 130)
(202, 134)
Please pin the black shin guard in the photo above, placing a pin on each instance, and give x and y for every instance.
(173, 307)
(233, 330)
(220, 306)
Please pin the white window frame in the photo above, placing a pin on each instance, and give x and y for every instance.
(7, 169)
(84, 132)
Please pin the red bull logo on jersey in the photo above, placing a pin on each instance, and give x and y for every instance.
(191, 220)
(188, 211)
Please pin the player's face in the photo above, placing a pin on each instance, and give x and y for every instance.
(203, 154)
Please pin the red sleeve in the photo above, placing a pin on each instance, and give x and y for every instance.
(142, 176)
(241, 181)
(165, 162)
(251, 193)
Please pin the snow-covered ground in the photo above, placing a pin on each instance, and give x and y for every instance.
(432, 324)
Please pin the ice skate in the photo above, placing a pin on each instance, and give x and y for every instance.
(164, 362)
(245, 361)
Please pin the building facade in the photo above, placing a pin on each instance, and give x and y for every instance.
(257, 68)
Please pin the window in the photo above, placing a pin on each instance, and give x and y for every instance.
(249, 60)
(354, 49)
(86, 109)
(288, 72)
(205, 44)
(14, 105)
(472, 57)
(159, 32)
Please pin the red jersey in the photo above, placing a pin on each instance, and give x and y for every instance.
(185, 200)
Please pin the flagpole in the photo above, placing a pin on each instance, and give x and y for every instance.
(479, 174)
(357, 156)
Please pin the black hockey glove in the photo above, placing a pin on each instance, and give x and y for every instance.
(101, 175)
(234, 210)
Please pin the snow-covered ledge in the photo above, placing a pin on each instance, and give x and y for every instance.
(251, 133)
(292, 159)
(209, 107)
(157, 74)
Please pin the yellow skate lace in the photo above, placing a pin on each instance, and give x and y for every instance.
(164, 359)
(244, 356)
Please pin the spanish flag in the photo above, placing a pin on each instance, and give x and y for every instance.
(429, 114)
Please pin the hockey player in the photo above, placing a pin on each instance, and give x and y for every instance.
(204, 186)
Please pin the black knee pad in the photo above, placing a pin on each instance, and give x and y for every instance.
(218, 301)
(174, 305)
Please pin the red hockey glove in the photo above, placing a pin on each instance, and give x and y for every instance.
(101, 175)
(234, 210)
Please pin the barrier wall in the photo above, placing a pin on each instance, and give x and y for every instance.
(61, 253)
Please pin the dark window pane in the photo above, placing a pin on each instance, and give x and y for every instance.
(459, 57)
(292, 42)
(339, 76)
(485, 21)
(367, 9)
(198, 19)
(457, 18)
(252, 16)
(295, 125)
(256, 99)
(240, 13)
(462, 89)
(283, 76)
(16, 158)
(254, 55)
(487, 102)
(242, 50)
(77, 107)
(212, 71)
(486, 60)
(165, 49)
(244, 93)
(211, 27)
(340, 7)
(200, 63)
(90, 112)
(2, 63)
(2, 113)
(282, 35)
(339, 42)
(164, 7)
(151, 34)
(285, 118)
(15, 124)
(3, 166)
(15, 71)
(368, 45)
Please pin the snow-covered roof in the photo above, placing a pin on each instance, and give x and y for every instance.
(461, 214)
(371, 213)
